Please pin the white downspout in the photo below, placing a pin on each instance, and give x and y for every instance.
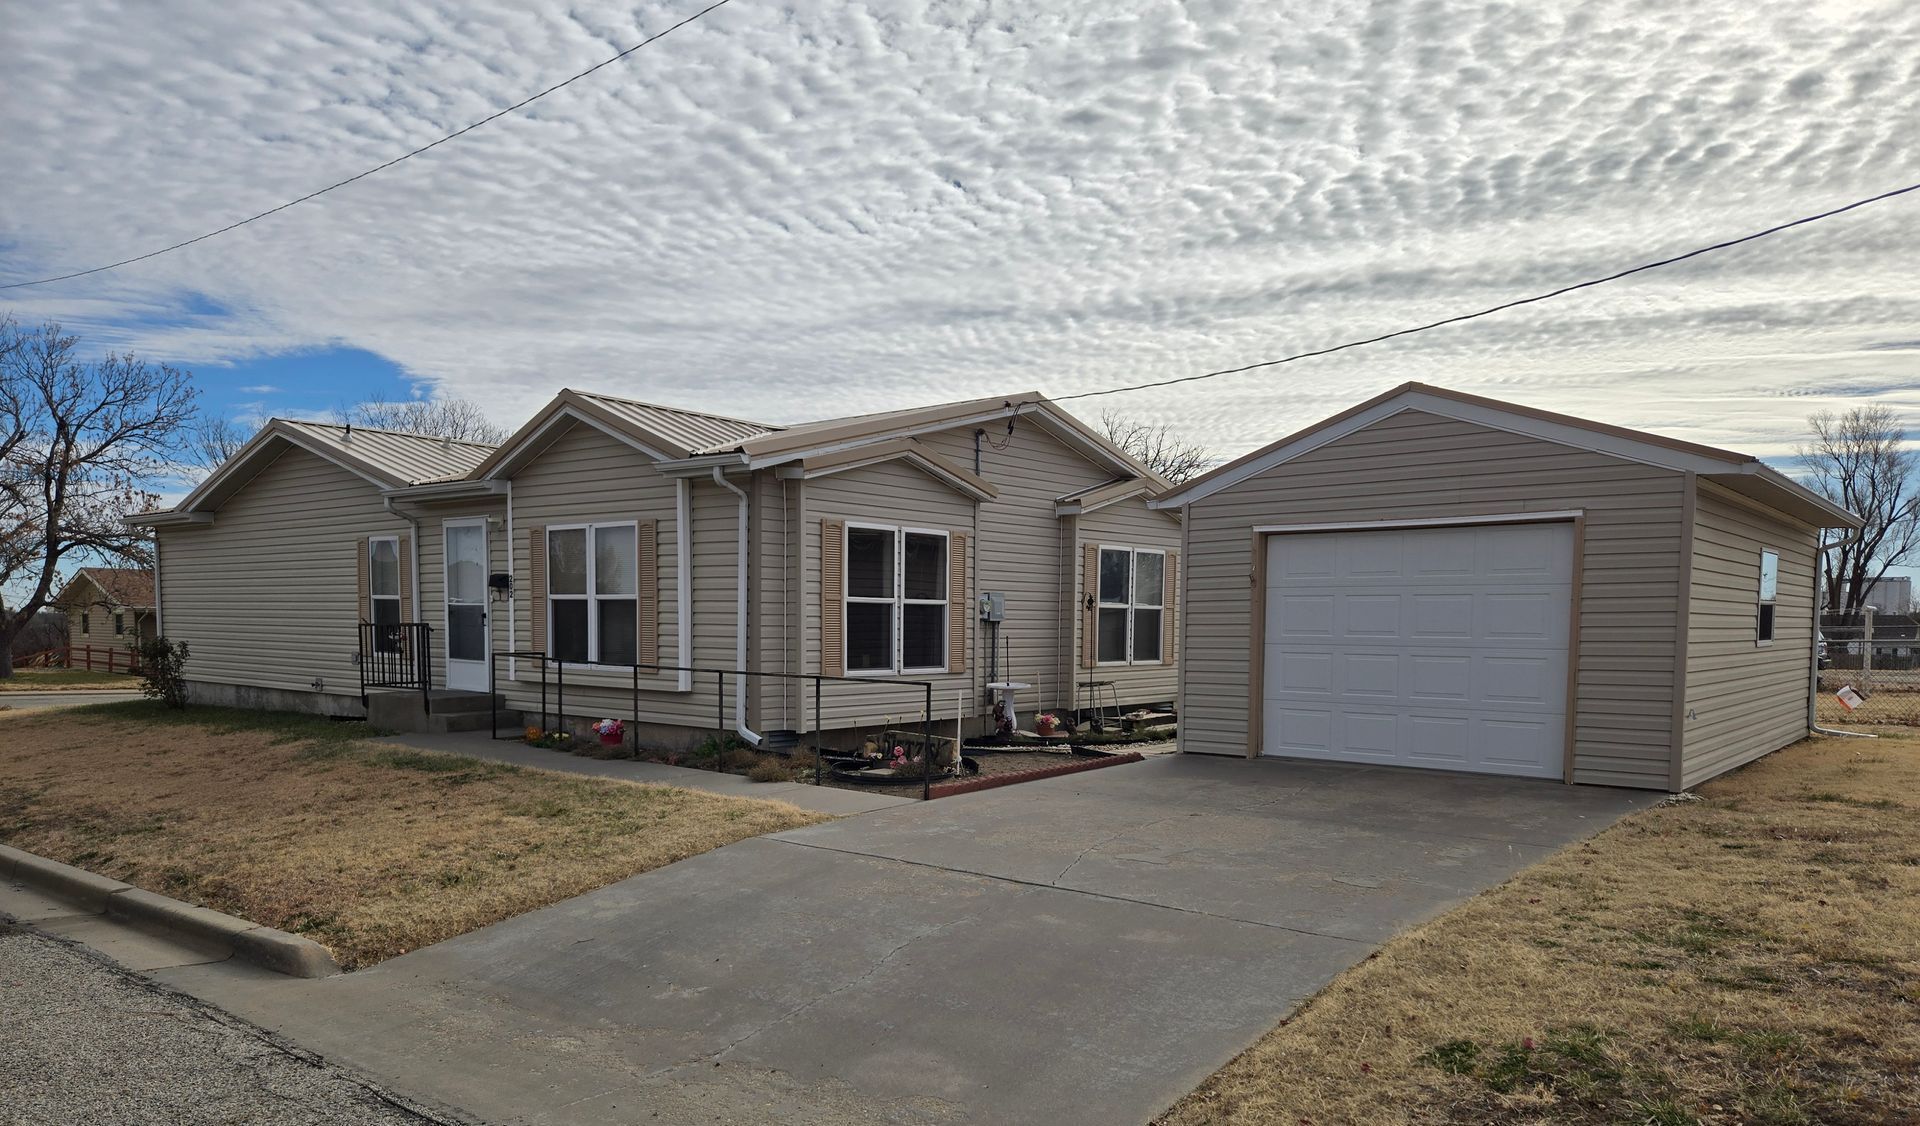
(159, 615)
(513, 663)
(683, 580)
(740, 616)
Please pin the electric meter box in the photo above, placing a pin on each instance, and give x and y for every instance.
(993, 606)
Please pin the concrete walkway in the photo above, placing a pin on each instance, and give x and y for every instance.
(1083, 949)
(821, 799)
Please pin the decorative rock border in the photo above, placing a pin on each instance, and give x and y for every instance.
(271, 949)
(950, 789)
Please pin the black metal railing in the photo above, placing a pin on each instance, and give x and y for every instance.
(397, 655)
(740, 677)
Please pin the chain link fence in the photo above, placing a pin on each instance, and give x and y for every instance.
(1870, 669)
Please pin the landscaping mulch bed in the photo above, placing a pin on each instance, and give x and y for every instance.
(1001, 768)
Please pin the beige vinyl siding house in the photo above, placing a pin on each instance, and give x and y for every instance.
(108, 607)
(1742, 703)
(267, 594)
(1128, 525)
(1430, 575)
(618, 546)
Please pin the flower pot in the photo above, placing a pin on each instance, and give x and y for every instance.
(611, 740)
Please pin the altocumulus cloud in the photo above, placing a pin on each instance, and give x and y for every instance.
(795, 208)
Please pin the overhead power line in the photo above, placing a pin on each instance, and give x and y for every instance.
(1504, 305)
(494, 116)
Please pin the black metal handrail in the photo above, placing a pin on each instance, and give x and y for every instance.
(720, 702)
(397, 655)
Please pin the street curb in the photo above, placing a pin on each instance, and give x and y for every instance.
(266, 947)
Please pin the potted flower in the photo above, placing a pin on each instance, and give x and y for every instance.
(1046, 724)
(611, 732)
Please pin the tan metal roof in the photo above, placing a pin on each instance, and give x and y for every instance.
(692, 431)
(408, 459)
(808, 435)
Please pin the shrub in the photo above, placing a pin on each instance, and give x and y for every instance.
(163, 670)
(771, 769)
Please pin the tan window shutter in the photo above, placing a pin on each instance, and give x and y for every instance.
(363, 609)
(406, 578)
(647, 574)
(537, 587)
(958, 603)
(833, 611)
(1170, 602)
(1089, 599)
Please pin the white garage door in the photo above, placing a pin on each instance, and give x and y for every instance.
(1434, 647)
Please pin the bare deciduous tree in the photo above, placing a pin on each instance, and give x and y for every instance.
(78, 439)
(459, 419)
(213, 440)
(1860, 460)
(1157, 446)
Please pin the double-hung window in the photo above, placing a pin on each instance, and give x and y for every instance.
(383, 592)
(896, 599)
(1130, 609)
(593, 594)
(1769, 586)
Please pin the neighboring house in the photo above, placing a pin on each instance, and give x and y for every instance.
(616, 534)
(108, 606)
(1432, 579)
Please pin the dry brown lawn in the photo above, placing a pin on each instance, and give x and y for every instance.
(370, 849)
(1751, 957)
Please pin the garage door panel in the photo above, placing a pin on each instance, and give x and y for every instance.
(1442, 617)
(1440, 740)
(1443, 648)
(1370, 616)
(1382, 559)
(1439, 678)
(1511, 746)
(1375, 675)
(1301, 616)
(1532, 681)
(1535, 616)
(1310, 671)
(1301, 731)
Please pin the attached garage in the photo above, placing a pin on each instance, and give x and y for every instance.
(1442, 581)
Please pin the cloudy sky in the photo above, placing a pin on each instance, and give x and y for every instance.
(789, 210)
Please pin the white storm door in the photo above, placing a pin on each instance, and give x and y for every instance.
(1441, 647)
(466, 561)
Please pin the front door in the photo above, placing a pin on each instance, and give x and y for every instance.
(466, 554)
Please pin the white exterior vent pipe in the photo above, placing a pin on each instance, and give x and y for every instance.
(740, 727)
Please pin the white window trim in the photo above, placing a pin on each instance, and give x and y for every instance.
(372, 597)
(1760, 599)
(590, 597)
(1130, 606)
(898, 601)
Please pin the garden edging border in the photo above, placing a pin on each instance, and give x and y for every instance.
(266, 947)
(951, 789)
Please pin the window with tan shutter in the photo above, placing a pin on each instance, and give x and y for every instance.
(593, 593)
(1130, 606)
(833, 580)
(898, 598)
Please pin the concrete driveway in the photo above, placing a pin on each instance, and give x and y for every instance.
(1082, 949)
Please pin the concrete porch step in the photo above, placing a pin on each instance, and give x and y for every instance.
(442, 710)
